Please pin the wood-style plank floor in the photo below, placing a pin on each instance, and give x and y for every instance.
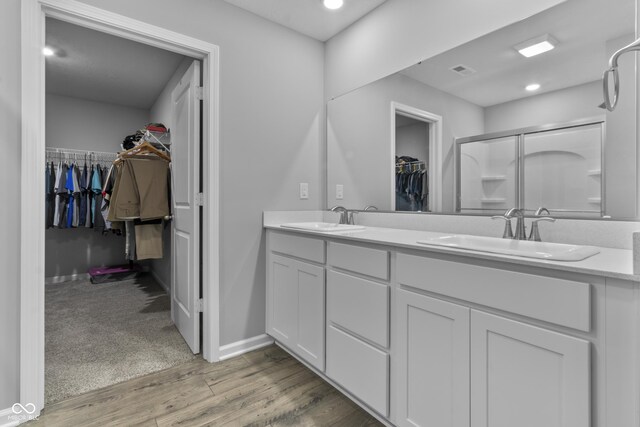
(266, 387)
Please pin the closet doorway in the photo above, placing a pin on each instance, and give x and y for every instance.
(85, 108)
(122, 266)
(416, 156)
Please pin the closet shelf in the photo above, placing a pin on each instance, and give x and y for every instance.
(594, 172)
(493, 177)
(493, 200)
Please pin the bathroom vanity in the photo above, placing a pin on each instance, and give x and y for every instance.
(434, 336)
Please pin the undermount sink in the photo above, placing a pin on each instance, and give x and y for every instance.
(523, 248)
(322, 226)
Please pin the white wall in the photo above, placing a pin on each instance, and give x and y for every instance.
(358, 149)
(86, 125)
(400, 33)
(9, 212)
(560, 106)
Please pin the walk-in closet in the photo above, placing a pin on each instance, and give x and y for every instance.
(117, 166)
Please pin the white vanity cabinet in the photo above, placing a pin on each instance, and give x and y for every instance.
(432, 362)
(295, 295)
(526, 376)
(460, 366)
(358, 322)
(421, 338)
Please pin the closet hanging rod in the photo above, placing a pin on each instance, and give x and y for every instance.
(53, 150)
(409, 163)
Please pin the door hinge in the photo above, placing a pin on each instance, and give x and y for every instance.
(200, 306)
(200, 199)
(200, 93)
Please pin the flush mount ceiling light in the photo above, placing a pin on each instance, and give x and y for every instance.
(333, 4)
(47, 51)
(532, 87)
(536, 46)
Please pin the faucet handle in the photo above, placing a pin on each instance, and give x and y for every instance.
(543, 218)
(535, 232)
(508, 232)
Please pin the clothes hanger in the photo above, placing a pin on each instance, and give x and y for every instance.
(145, 147)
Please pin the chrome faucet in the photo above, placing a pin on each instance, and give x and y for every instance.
(370, 208)
(540, 213)
(344, 214)
(521, 233)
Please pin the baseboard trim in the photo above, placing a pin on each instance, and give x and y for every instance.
(65, 278)
(160, 282)
(8, 418)
(244, 346)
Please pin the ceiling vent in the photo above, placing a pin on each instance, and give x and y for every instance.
(463, 70)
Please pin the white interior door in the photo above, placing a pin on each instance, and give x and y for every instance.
(185, 239)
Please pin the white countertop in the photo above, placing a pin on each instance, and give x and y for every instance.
(614, 263)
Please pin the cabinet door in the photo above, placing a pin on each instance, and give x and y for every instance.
(525, 376)
(311, 323)
(432, 362)
(296, 307)
(282, 300)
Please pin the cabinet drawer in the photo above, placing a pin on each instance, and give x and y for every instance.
(367, 261)
(297, 246)
(559, 301)
(359, 305)
(359, 368)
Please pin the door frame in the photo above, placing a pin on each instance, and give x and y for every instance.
(435, 151)
(32, 204)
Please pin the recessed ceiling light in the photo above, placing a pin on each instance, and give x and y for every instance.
(333, 4)
(47, 51)
(536, 46)
(532, 87)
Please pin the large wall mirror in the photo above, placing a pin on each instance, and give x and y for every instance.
(483, 128)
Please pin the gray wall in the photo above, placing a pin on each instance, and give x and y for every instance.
(86, 125)
(413, 140)
(400, 33)
(622, 154)
(358, 150)
(89, 125)
(271, 128)
(9, 210)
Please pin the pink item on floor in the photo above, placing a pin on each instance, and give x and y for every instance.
(114, 273)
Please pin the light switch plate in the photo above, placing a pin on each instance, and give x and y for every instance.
(304, 190)
(339, 192)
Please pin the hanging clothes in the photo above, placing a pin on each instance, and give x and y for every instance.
(51, 195)
(63, 197)
(140, 197)
(411, 190)
(83, 197)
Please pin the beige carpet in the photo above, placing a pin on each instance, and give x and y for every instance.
(98, 335)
